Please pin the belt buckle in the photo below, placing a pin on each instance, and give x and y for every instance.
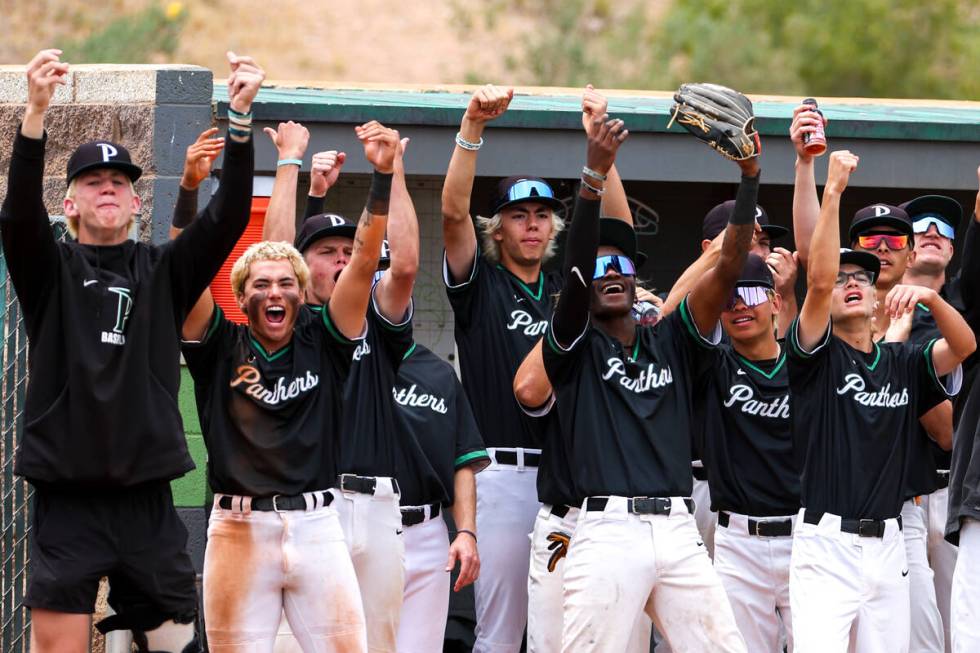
(640, 505)
(343, 482)
(758, 525)
(872, 529)
(275, 506)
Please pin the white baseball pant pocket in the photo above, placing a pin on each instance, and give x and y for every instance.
(925, 625)
(705, 518)
(506, 504)
(840, 581)
(425, 607)
(942, 555)
(965, 603)
(257, 564)
(755, 573)
(620, 564)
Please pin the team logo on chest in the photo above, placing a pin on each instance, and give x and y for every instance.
(648, 378)
(744, 397)
(524, 321)
(883, 398)
(124, 305)
(362, 350)
(408, 397)
(250, 377)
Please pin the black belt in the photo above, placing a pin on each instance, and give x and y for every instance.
(639, 505)
(942, 479)
(416, 514)
(510, 458)
(362, 484)
(700, 473)
(279, 502)
(862, 527)
(768, 528)
(560, 510)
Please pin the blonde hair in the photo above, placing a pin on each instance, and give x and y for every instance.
(490, 226)
(72, 223)
(268, 250)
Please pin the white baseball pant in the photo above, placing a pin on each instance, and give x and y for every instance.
(942, 554)
(839, 581)
(506, 503)
(755, 573)
(258, 564)
(703, 515)
(425, 606)
(620, 564)
(545, 589)
(965, 602)
(926, 625)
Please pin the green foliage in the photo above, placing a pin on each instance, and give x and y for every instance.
(874, 48)
(145, 36)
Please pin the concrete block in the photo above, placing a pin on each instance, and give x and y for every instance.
(184, 85)
(115, 84)
(165, 191)
(175, 128)
(13, 86)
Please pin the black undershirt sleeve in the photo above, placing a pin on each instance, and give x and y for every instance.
(745, 201)
(28, 242)
(314, 205)
(572, 315)
(970, 269)
(185, 209)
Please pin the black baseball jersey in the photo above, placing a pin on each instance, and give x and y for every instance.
(928, 456)
(555, 481)
(626, 414)
(103, 323)
(373, 443)
(271, 421)
(854, 416)
(747, 448)
(438, 428)
(499, 318)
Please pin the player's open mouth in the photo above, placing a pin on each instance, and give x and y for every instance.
(743, 319)
(275, 314)
(931, 245)
(337, 276)
(613, 288)
(853, 297)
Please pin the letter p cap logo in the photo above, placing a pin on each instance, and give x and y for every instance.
(109, 152)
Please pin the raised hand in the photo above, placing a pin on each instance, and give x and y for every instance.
(805, 121)
(243, 82)
(594, 104)
(603, 142)
(290, 139)
(200, 156)
(325, 170)
(784, 265)
(44, 73)
(488, 103)
(902, 299)
(380, 145)
(842, 164)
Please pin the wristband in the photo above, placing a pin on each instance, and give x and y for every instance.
(380, 193)
(470, 533)
(590, 187)
(468, 145)
(589, 172)
(235, 114)
(289, 162)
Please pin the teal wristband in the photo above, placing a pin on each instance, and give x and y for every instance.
(289, 162)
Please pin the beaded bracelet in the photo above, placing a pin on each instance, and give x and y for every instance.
(468, 145)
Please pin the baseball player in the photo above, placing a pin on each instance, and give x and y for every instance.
(501, 301)
(854, 409)
(635, 546)
(102, 316)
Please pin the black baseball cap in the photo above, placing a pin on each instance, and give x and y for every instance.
(102, 154)
(617, 233)
(755, 272)
(514, 190)
(717, 219)
(322, 225)
(939, 207)
(880, 215)
(864, 260)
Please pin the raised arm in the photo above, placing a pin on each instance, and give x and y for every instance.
(324, 171)
(349, 302)
(712, 289)
(290, 139)
(458, 233)
(821, 273)
(958, 340)
(394, 291)
(614, 201)
(806, 204)
(970, 265)
(572, 314)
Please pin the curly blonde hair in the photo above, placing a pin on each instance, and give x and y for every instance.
(268, 250)
(487, 227)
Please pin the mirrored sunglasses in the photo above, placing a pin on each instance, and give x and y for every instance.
(621, 264)
(945, 229)
(749, 295)
(893, 242)
(528, 189)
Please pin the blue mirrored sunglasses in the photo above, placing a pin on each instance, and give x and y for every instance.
(528, 189)
(621, 264)
(945, 229)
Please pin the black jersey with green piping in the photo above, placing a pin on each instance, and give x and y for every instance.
(854, 416)
(271, 420)
(499, 318)
(627, 414)
(746, 445)
(927, 456)
(372, 441)
(438, 427)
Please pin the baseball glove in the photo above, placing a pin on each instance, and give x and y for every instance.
(558, 547)
(720, 117)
